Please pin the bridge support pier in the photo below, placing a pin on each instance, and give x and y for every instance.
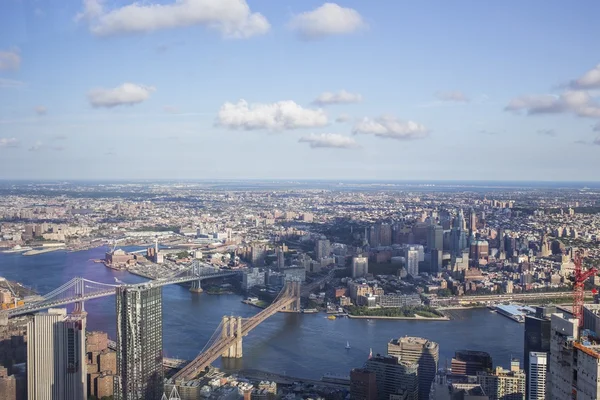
(293, 290)
(232, 327)
(196, 287)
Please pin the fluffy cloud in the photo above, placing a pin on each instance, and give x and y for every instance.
(546, 132)
(589, 80)
(341, 97)
(274, 116)
(8, 142)
(233, 18)
(391, 127)
(576, 101)
(126, 94)
(40, 110)
(342, 118)
(37, 146)
(324, 140)
(329, 19)
(10, 60)
(454, 95)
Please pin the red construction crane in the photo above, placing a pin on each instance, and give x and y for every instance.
(579, 277)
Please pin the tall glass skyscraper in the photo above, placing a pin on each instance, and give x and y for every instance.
(139, 343)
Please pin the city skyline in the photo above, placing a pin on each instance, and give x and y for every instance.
(98, 90)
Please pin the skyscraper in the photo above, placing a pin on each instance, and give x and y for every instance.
(362, 385)
(504, 384)
(360, 267)
(536, 376)
(435, 239)
(56, 368)
(139, 343)
(385, 234)
(322, 249)
(420, 351)
(412, 261)
(394, 376)
(564, 332)
(280, 257)
(470, 362)
(537, 336)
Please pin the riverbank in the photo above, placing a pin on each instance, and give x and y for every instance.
(415, 317)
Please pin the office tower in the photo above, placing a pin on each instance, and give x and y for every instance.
(500, 239)
(412, 261)
(393, 377)
(259, 251)
(360, 267)
(139, 343)
(472, 221)
(537, 335)
(470, 362)
(536, 376)
(479, 250)
(420, 351)
(564, 332)
(280, 257)
(55, 356)
(385, 235)
(435, 239)
(322, 249)
(504, 384)
(362, 385)
(374, 236)
(436, 261)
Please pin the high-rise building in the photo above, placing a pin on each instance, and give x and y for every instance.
(280, 257)
(322, 249)
(412, 261)
(470, 362)
(56, 368)
(362, 385)
(374, 236)
(479, 250)
(360, 267)
(385, 235)
(139, 343)
(435, 238)
(258, 253)
(436, 261)
(394, 377)
(420, 351)
(536, 376)
(472, 221)
(537, 336)
(564, 332)
(504, 384)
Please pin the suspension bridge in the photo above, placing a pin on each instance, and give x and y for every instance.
(78, 290)
(226, 341)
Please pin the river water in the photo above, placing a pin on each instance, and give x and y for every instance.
(303, 345)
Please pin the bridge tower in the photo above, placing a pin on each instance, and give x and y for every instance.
(196, 271)
(292, 289)
(232, 327)
(79, 289)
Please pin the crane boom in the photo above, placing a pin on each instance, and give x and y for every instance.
(579, 279)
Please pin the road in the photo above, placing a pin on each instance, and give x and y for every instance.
(510, 297)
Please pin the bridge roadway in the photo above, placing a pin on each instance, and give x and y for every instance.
(42, 305)
(207, 357)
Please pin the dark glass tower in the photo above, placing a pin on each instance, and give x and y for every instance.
(139, 343)
(537, 335)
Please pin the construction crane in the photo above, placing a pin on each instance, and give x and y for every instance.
(579, 277)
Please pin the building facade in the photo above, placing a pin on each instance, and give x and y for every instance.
(360, 267)
(504, 384)
(564, 332)
(56, 367)
(536, 376)
(394, 377)
(419, 351)
(362, 385)
(139, 343)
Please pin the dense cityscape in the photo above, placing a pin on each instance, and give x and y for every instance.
(366, 251)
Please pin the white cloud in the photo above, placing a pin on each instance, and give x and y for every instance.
(597, 127)
(341, 97)
(8, 142)
(576, 101)
(454, 95)
(37, 146)
(342, 118)
(40, 110)
(589, 80)
(391, 127)
(10, 60)
(10, 83)
(273, 116)
(329, 19)
(596, 141)
(334, 140)
(125, 94)
(233, 18)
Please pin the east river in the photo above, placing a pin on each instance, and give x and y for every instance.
(301, 345)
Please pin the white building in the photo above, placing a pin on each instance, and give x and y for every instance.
(360, 267)
(253, 277)
(412, 261)
(537, 375)
(56, 366)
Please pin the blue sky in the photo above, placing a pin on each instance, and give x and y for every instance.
(201, 89)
